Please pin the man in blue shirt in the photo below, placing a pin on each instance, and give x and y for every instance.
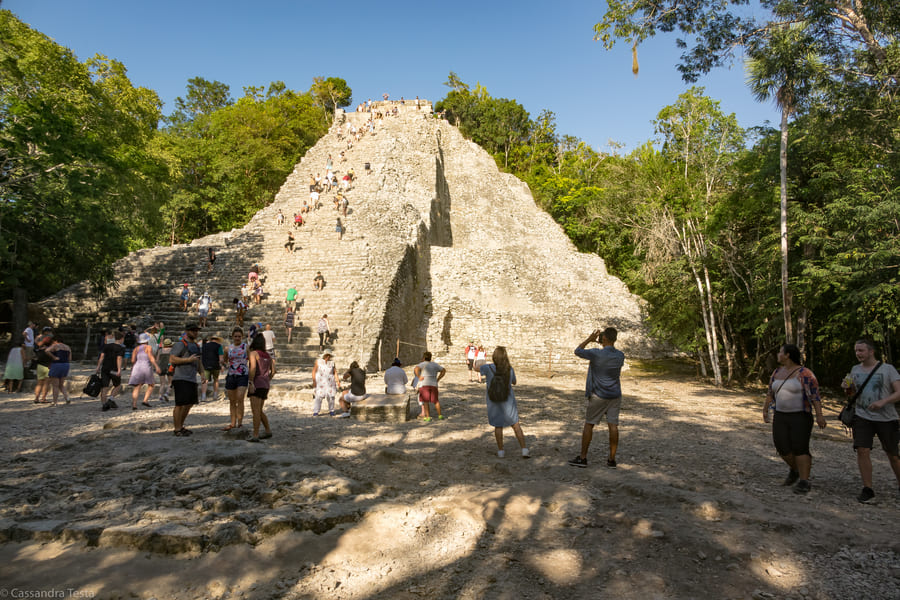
(603, 391)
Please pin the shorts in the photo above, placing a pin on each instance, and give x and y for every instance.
(261, 393)
(210, 374)
(110, 379)
(348, 397)
(43, 372)
(597, 407)
(203, 312)
(233, 382)
(58, 369)
(888, 432)
(185, 392)
(428, 393)
(791, 432)
(470, 363)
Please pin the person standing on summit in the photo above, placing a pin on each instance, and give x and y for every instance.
(603, 390)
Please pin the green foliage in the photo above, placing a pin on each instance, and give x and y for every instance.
(854, 40)
(77, 169)
(498, 125)
(846, 209)
(331, 93)
(203, 98)
(835, 67)
(229, 163)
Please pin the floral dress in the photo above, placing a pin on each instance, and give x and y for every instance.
(326, 385)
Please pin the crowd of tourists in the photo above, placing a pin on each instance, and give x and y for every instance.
(793, 403)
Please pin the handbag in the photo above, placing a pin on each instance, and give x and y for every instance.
(848, 411)
(93, 386)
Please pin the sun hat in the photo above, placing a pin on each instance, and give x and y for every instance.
(144, 338)
(327, 352)
(167, 343)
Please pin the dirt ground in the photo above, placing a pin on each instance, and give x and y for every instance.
(111, 505)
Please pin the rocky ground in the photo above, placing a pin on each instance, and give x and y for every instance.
(111, 505)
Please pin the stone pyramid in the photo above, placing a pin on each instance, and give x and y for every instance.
(439, 248)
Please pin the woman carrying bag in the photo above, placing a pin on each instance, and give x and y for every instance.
(793, 394)
(502, 410)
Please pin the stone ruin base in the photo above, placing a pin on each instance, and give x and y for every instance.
(383, 408)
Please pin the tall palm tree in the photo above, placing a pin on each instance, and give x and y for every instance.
(782, 68)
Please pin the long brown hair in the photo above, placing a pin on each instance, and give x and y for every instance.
(501, 363)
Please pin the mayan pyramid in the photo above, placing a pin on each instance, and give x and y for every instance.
(440, 247)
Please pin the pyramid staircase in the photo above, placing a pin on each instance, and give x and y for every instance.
(440, 247)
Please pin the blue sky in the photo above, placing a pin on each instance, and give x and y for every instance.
(539, 53)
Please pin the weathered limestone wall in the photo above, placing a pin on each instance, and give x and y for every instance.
(511, 277)
(440, 247)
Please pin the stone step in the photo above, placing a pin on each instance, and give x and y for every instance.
(421, 260)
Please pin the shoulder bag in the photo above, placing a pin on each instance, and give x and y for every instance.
(849, 411)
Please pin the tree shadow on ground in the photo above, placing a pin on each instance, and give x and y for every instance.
(695, 498)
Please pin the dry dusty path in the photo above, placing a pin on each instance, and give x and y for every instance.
(111, 505)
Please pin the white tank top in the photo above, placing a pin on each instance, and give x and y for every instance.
(789, 397)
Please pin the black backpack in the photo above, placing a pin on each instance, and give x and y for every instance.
(210, 356)
(93, 386)
(498, 390)
(129, 340)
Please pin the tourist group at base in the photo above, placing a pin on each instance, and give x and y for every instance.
(792, 404)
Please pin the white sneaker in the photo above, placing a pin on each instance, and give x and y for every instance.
(526, 453)
(500, 453)
(345, 415)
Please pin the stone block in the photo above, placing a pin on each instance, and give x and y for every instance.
(166, 538)
(382, 408)
(40, 531)
(87, 532)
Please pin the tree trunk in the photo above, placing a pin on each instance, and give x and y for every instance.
(801, 330)
(692, 246)
(703, 372)
(785, 292)
(729, 349)
(714, 347)
(19, 312)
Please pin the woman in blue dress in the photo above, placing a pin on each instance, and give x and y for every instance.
(59, 368)
(503, 414)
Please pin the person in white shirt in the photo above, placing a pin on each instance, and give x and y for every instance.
(395, 378)
(270, 339)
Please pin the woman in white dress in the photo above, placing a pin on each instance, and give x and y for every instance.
(324, 376)
(15, 370)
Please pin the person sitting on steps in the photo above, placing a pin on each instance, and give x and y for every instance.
(289, 245)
